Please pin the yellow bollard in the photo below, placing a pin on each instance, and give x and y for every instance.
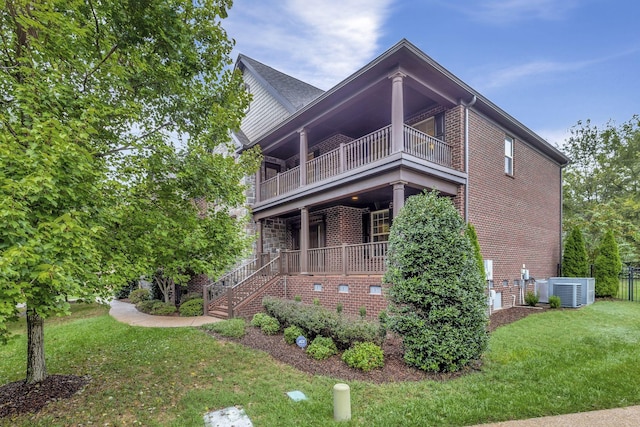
(341, 402)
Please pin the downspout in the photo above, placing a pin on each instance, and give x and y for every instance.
(467, 105)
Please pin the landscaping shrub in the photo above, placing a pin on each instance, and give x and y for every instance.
(470, 231)
(270, 325)
(531, 298)
(363, 312)
(554, 301)
(607, 266)
(190, 296)
(437, 292)
(139, 295)
(191, 308)
(348, 332)
(161, 308)
(232, 328)
(126, 290)
(147, 305)
(292, 333)
(257, 319)
(322, 348)
(575, 262)
(319, 321)
(364, 356)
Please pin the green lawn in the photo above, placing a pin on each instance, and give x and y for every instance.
(552, 363)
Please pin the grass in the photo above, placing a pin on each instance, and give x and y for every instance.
(553, 363)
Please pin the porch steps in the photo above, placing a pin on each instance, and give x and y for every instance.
(243, 293)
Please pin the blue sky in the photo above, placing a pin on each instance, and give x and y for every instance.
(548, 63)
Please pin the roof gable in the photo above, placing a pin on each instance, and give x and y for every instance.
(292, 93)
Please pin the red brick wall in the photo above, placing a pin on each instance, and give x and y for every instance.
(517, 217)
(302, 286)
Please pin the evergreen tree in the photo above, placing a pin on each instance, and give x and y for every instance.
(437, 294)
(473, 238)
(607, 266)
(574, 259)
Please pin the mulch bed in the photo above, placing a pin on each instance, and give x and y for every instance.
(17, 397)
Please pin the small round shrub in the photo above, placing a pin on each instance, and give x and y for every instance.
(192, 308)
(270, 326)
(364, 356)
(161, 308)
(139, 295)
(531, 298)
(190, 296)
(292, 333)
(554, 301)
(147, 305)
(257, 319)
(322, 348)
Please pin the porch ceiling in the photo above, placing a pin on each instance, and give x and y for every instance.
(354, 117)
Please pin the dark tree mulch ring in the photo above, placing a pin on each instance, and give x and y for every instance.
(394, 370)
(18, 397)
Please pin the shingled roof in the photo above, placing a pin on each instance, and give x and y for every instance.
(294, 94)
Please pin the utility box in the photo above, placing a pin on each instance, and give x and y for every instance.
(585, 293)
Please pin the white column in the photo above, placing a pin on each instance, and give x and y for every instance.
(397, 112)
(304, 149)
(398, 197)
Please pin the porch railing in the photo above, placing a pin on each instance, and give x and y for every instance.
(363, 258)
(427, 147)
(216, 289)
(360, 152)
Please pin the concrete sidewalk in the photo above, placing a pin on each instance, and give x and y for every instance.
(128, 313)
(619, 417)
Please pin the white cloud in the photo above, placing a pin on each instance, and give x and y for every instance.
(509, 11)
(318, 42)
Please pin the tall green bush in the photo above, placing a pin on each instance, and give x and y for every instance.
(470, 231)
(437, 294)
(607, 266)
(575, 262)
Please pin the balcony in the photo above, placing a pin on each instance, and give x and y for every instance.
(358, 154)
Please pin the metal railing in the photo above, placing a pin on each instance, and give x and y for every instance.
(427, 147)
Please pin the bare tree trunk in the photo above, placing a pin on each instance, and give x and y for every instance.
(36, 367)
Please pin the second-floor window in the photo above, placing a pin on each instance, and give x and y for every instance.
(380, 225)
(433, 126)
(508, 155)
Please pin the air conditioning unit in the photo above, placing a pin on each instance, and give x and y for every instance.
(570, 294)
(587, 285)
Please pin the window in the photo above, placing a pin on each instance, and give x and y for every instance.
(508, 155)
(433, 126)
(375, 290)
(380, 225)
(343, 289)
(317, 287)
(505, 283)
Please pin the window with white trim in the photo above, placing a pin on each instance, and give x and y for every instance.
(317, 287)
(508, 155)
(380, 225)
(375, 290)
(343, 288)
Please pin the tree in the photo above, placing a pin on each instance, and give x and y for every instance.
(607, 267)
(574, 259)
(103, 103)
(470, 231)
(437, 294)
(602, 185)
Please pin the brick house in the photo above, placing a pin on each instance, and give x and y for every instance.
(399, 125)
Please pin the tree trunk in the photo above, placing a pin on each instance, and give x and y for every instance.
(36, 367)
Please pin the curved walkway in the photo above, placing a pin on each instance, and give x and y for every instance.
(128, 313)
(619, 417)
